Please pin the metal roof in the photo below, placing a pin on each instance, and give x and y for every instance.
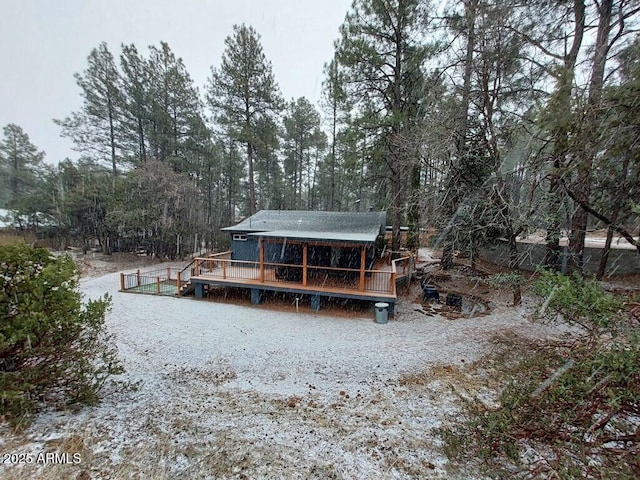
(311, 225)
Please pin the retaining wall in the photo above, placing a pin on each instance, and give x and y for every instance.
(621, 261)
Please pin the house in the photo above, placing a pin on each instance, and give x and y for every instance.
(333, 239)
(321, 254)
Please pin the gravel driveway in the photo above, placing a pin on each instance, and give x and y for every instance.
(228, 391)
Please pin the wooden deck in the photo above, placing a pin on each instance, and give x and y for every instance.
(377, 283)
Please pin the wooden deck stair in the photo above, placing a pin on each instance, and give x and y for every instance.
(187, 288)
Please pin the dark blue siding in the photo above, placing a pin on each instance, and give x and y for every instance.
(245, 250)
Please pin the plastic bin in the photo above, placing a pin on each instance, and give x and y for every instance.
(382, 312)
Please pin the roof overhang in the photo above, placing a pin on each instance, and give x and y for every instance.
(345, 237)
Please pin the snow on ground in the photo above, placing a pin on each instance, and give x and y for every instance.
(228, 391)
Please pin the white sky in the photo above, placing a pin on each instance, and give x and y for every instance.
(44, 42)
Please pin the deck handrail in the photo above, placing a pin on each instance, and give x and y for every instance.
(406, 259)
(224, 268)
(295, 265)
(394, 268)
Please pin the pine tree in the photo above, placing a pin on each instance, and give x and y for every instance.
(175, 108)
(382, 52)
(241, 92)
(334, 102)
(21, 164)
(302, 136)
(96, 128)
(136, 87)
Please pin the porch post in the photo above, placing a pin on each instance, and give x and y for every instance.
(315, 302)
(305, 254)
(256, 295)
(261, 260)
(363, 260)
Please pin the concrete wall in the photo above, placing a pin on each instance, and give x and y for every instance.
(621, 261)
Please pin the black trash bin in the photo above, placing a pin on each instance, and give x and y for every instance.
(454, 300)
(430, 293)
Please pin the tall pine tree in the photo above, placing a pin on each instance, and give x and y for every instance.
(243, 91)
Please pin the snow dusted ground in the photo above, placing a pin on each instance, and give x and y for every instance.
(229, 391)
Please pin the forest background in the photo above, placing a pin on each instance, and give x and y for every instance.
(486, 120)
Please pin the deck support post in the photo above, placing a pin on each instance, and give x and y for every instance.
(305, 254)
(391, 308)
(392, 287)
(315, 302)
(363, 260)
(256, 294)
(199, 290)
(261, 260)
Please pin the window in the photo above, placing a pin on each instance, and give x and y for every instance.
(239, 237)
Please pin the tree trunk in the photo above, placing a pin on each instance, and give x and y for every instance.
(514, 266)
(112, 140)
(413, 236)
(252, 185)
(462, 125)
(583, 187)
(560, 140)
(332, 168)
(602, 268)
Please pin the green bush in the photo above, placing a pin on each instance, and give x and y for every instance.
(568, 409)
(54, 350)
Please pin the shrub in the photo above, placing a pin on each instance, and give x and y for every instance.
(568, 409)
(53, 348)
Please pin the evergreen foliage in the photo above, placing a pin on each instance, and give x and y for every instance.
(486, 120)
(54, 350)
(567, 409)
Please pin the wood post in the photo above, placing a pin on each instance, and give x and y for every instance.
(196, 267)
(305, 254)
(138, 276)
(158, 284)
(363, 261)
(261, 260)
(168, 273)
(224, 268)
(178, 282)
(122, 282)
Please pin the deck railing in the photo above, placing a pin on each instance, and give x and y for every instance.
(169, 280)
(369, 280)
(154, 281)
